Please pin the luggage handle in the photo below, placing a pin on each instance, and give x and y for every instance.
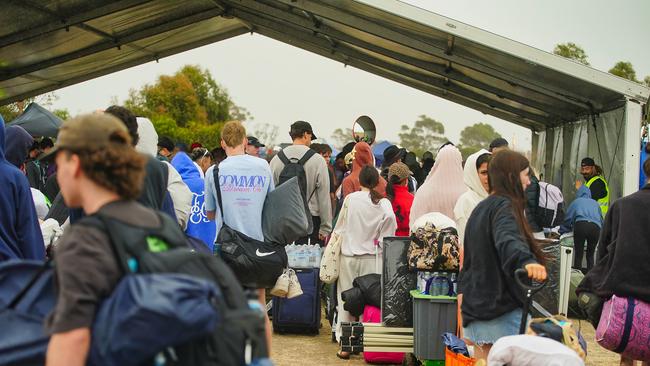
(530, 291)
(522, 273)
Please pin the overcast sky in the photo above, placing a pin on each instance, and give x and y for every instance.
(279, 83)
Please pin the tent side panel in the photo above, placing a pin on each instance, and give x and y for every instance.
(633, 118)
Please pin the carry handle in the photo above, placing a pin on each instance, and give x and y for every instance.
(530, 291)
(522, 273)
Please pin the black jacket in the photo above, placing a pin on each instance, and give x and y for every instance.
(532, 204)
(623, 251)
(494, 249)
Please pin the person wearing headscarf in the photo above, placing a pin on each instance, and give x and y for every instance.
(476, 179)
(361, 156)
(443, 186)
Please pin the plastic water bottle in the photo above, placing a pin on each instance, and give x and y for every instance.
(317, 254)
(444, 285)
(313, 255)
(454, 284)
(419, 282)
(303, 257)
(435, 289)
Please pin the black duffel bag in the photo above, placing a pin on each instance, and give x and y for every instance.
(353, 301)
(255, 263)
(370, 286)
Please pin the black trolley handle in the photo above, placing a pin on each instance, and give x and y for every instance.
(530, 290)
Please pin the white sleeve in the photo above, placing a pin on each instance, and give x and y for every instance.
(389, 224)
(180, 194)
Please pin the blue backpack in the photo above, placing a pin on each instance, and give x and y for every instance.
(26, 297)
(239, 338)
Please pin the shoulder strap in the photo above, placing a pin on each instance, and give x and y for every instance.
(99, 223)
(283, 157)
(217, 186)
(306, 157)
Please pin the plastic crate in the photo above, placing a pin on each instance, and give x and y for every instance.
(433, 362)
(432, 316)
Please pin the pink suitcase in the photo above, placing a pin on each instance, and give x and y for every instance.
(372, 314)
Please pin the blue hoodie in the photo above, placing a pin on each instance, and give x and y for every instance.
(20, 232)
(583, 208)
(198, 225)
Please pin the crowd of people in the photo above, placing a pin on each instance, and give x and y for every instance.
(114, 163)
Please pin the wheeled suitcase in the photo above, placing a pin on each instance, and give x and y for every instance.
(372, 314)
(301, 314)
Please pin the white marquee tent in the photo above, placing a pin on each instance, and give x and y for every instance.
(572, 110)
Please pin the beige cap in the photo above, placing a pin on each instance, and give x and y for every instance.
(90, 132)
(400, 170)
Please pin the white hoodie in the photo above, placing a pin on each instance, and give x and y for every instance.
(473, 196)
(178, 190)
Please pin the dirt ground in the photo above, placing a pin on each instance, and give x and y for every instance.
(319, 350)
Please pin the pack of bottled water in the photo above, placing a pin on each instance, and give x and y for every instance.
(437, 283)
(304, 255)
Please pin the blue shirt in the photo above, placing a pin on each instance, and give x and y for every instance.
(583, 208)
(245, 181)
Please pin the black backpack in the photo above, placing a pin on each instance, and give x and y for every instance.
(296, 168)
(240, 337)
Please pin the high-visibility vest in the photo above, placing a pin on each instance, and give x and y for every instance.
(603, 202)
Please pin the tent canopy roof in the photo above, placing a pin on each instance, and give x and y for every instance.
(52, 44)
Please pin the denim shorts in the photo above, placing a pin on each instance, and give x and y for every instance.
(483, 332)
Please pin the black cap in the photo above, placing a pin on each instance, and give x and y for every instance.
(300, 127)
(588, 162)
(393, 153)
(498, 142)
(252, 140)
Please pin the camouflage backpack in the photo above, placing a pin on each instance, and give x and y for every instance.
(434, 249)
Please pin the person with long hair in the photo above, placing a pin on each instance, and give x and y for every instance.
(443, 186)
(368, 219)
(400, 197)
(498, 241)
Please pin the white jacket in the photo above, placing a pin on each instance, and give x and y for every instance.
(178, 190)
(471, 198)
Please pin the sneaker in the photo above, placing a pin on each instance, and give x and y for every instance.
(281, 287)
(294, 286)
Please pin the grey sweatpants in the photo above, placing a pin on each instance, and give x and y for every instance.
(351, 268)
